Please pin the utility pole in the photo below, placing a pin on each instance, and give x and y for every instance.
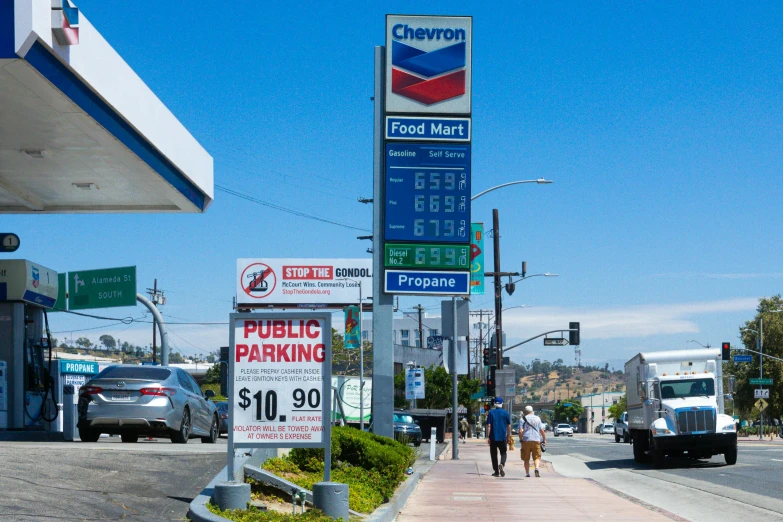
(498, 288)
(420, 309)
(157, 298)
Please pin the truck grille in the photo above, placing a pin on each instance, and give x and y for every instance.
(696, 421)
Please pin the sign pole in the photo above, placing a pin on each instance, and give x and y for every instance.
(453, 368)
(361, 362)
(382, 303)
(761, 373)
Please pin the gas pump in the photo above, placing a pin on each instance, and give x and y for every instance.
(27, 290)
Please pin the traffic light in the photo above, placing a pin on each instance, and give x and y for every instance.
(493, 356)
(573, 334)
(491, 382)
(592, 415)
(725, 351)
(486, 357)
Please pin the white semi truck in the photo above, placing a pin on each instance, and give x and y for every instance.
(675, 406)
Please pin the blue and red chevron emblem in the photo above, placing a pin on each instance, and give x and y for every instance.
(437, 75)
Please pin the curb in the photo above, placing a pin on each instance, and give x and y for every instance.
(390, 510)
(198, 512)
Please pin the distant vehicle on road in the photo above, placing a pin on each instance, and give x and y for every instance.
(675, 404)
(222, 409)
(405, 429)
(134, 401)
(607, 429)
(564, 429)
(621, 429)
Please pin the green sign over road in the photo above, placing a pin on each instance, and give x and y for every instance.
(764, 381)
(408, 255)
(105, 288)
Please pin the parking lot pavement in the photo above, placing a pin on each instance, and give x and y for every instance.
(106, 480)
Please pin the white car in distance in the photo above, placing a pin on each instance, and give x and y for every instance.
(564, 429)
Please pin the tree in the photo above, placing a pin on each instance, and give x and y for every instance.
(346, 361)
(84, 342)
(568, 413)
(213, 375)
(616, 410)
(108, 341)
(743, 372)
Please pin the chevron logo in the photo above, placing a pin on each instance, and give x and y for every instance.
(428, 77)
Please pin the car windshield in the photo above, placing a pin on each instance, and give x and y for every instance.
(687, 388)
(403, 418)
(135, 372)
(563, 426)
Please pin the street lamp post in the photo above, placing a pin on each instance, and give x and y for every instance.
(496, 248)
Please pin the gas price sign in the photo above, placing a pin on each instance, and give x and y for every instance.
(280, 377)
(427, 256)
(427, 193)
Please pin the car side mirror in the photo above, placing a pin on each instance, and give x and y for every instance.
(415, 422)
(209, 394)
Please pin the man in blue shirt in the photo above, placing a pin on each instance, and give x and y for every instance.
(498, 422)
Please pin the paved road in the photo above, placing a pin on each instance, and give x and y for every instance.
(106, 480)
(711, 487)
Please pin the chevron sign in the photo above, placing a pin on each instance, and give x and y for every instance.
(428, 64)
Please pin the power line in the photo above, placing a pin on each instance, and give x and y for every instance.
(286, 209)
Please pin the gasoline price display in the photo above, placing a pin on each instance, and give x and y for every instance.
(427, 193)
(423, 255)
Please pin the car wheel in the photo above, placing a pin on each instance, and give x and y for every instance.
(129, 437)
(213, 433)
(89, 435)
(731, 456)
(182, 436)
(617, 438)
(626, 438)
(417, 444)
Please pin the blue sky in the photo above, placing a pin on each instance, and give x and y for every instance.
(660, 124)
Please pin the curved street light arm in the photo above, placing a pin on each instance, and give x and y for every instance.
(540, 181)
(547, 274)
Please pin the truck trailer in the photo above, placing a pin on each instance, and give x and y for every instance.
(675, 406)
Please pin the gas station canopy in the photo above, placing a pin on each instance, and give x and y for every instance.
(80, 132)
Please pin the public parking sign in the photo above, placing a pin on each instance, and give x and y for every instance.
(280, 371)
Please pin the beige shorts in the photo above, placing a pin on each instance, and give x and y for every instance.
(531, 448)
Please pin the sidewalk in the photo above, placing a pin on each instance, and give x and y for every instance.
(466, 490)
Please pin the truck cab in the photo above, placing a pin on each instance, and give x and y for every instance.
(675, 407)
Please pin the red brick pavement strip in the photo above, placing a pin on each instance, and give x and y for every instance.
(466, 490)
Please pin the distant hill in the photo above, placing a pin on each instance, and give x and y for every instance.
(547, 382)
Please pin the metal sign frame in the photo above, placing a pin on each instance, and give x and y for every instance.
(326, 387)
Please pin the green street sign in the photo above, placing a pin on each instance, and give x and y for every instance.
(764, 381)
(105, 288)
(406, 255)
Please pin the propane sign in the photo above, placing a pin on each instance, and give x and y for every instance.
(280, 379)
(303, 283)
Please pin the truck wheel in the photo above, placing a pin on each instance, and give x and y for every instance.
(616, 438)
(659, 459)
(731, 456)
(639, 449)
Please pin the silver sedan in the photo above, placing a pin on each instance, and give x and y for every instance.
(135, 401)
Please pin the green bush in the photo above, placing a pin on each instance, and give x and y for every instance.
(372, 466)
